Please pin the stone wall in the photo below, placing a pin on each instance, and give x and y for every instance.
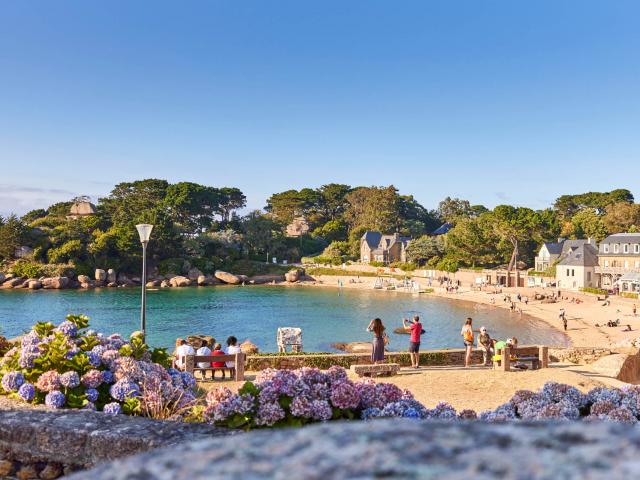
(39, 443)
(398, 448)
(323, 361)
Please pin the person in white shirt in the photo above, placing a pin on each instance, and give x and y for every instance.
(204, 350)
(182, 351)
(232, 349)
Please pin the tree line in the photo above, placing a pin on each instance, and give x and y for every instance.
(201, 226)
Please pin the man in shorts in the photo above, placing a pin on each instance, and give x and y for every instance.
(415, 329)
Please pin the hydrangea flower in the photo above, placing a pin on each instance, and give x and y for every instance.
(70, 379)
(467, 414)
(621, 415)
(112, 408)
(92, 394)
(90, 406)
(602, 407)
(109, 358)
(444, 411)
(123, 389)
(269, 413)
(49, 381)
(92, 379)
(554, 392)
(55, 399)
(612, 395)
(345, 395)
(12, 381)
(107, 377)
(67, 328)
(95, 359)
(370, 413)
(27, 391)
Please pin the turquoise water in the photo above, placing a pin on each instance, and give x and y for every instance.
(325, 315)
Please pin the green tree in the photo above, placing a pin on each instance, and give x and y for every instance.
(192, 206)
(231, 199)
(332, 230)
(588, 223)
(261, 234)
(12, 235)
(373, 208)
(453, 209)
(333, 202)
(622, 217)
(423, 249)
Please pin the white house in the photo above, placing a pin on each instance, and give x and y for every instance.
(577, 268)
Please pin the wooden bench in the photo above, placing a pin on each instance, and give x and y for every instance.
(191, 364)
(537, 356)
(380, 369)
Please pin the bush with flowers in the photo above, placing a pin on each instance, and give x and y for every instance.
(71, 366)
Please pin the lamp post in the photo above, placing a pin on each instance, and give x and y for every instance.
(144, 230)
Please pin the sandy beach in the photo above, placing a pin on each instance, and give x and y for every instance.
(582, 317)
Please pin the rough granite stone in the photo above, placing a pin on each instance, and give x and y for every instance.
(397, 449)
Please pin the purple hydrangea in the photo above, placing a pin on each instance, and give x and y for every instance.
(370, 413)
(553, 392)
(621, 415)
(188, 380)
(99, 350)
(411, 413)
(109, 357)
(345, 395)
(444, 411)
(124, 389)
(67, 328)
(467, 414)
(92, 379)
(70, 379)
(92, 394)
(27, 391)
(90, 406)
(107, 377)
(602, 407)
(612, 395)
(30, 339)
(12, 381)
(49, 381)
(269, 413)
(112, 408)
(55, 399)
(94, 359)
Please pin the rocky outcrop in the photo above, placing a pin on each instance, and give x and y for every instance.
(55, 283)
(3, 277)
(294, 275)
(402, 448)
(202, 281)
(13, 282)
(111, 276)
(227, 277)
(248, 348)
(100, 275)
(262, 279)
(198, 340)
(33, 439)
(193, 274)
(179, 281)
(35, 285)
(83, 279)
(153, 283)
(354, 347)
(165, 284)
(624, 367)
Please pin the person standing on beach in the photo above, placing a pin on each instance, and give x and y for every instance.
(467, 336)
(415, 329)
(634, 309)
(380, 339)
(563, 317)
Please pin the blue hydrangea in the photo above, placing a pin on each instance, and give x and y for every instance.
(27, 391)
(55, 399)
(11, 381)
(94, 359)
(107, 377)
(604, 394)
(92, 394)
(411, 413)
(123, 389)
(444, 411)
(72, 352)
(67, 328)
(112, 408)
(172, 371)
(90, 406)
(188, 380)
(99, 350)
(553, 392)
(370, 413)
(70, 379)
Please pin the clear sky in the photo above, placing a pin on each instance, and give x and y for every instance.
(493, 101)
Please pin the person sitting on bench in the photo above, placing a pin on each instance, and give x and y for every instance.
(217, 350)
(204, 350)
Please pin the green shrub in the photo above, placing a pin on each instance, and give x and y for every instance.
(27, 268)
(377, 264)
(66, 252)
(405, 266)
(595, 291)
(172, 265)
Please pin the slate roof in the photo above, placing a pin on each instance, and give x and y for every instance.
(554, 248)
(585, 255)
(372, 239)
(622, 238)
(442, 229)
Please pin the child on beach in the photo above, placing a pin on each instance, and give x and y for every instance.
(563, 317)
(217, 350)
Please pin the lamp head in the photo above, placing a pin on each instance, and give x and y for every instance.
(144, 230)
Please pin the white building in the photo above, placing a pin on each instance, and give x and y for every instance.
(577, 268)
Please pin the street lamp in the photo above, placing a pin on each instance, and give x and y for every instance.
(144, 230)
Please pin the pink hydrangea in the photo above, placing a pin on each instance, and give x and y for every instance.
(49, 381)
(126, 368)
(345, 395)
(92, 379)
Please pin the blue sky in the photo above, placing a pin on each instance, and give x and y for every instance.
(493, 101)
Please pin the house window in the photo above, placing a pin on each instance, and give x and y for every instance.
(626, 248)
(605, 248)
(567, 272)
(636, 248)
(573, 272)
(588, 276)
(616, 248)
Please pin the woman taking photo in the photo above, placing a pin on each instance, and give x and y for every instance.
(380, 339)
(467, 336)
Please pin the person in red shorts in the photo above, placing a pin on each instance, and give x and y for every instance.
(415, 329)
(217, 350)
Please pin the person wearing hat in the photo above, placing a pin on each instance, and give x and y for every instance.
(485, 343)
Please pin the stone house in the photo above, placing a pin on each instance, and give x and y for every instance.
(619, 262)
(376, 247)
(81, 209)
(551, 252)
(577, 268)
